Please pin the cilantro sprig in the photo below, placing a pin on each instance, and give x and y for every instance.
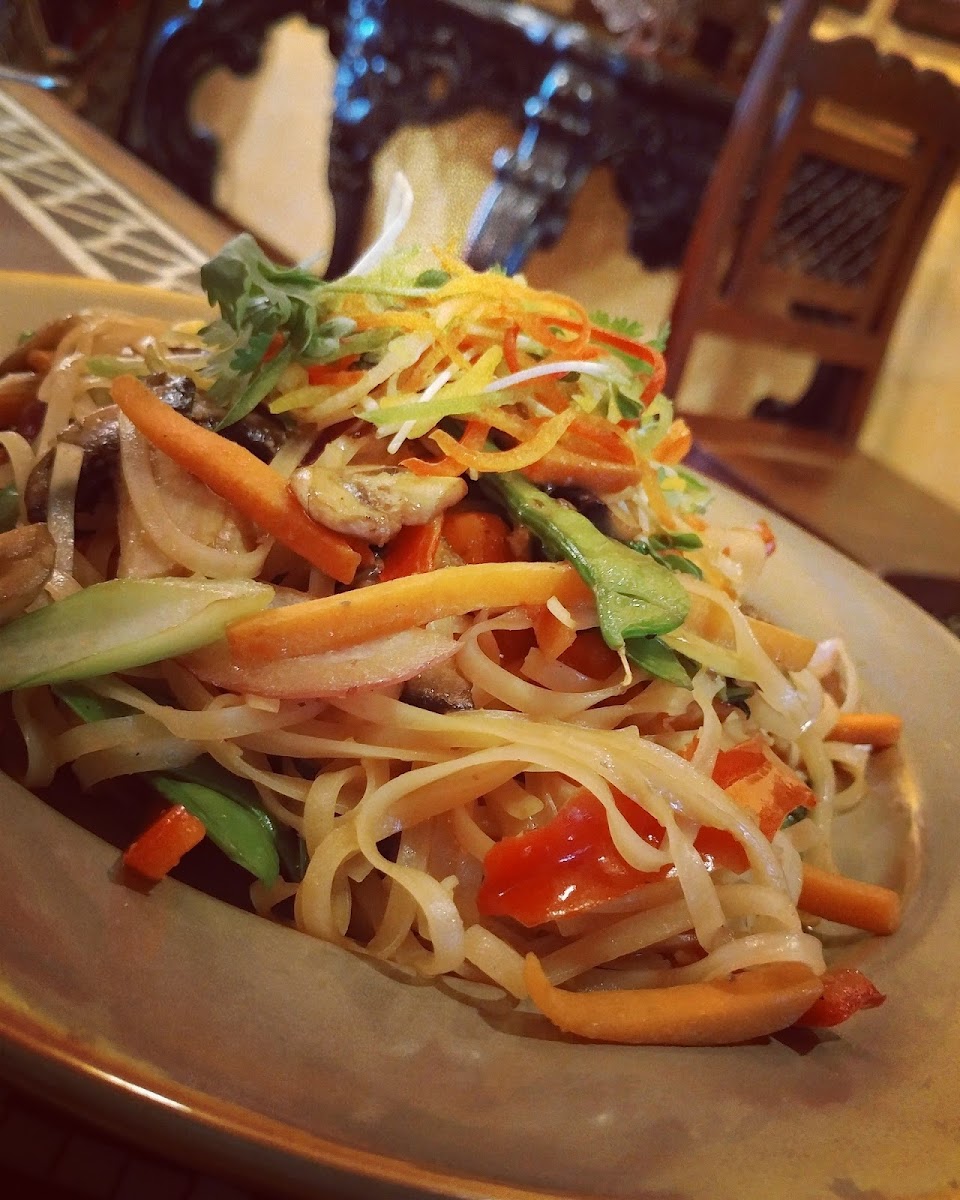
(259, 300)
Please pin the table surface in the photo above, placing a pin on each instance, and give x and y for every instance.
(72, 201)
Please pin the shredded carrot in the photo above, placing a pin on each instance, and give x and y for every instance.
(511, 355)
(749, 1004)
(676, 445)
(880, 729)
(473, 439)
(332, 375)
(161, 845)
(849, 901)
(412, 551)
(477, 537)
(522, 455)
(635, 349)
(588, 455)
(236, 475)
(350, 618)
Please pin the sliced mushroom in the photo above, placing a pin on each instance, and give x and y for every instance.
(47, 337)
(440, 689)
(26, 561)
(99, 438)
(373, 503)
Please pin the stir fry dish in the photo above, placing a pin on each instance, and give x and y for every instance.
(396, 589)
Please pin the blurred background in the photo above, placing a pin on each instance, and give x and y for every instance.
(272, 126)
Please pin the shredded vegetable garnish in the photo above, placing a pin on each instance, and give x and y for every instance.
(396, 589)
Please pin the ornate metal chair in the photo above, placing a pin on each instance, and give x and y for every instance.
(834, 169)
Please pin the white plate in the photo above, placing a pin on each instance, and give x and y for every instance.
(211, 1034)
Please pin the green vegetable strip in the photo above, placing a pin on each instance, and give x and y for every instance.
(120, 624)
(228, 806)
(636, 597)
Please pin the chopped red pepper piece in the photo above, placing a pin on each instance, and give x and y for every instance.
(161, 845)
(571, 865)
(412, 551)
(568, 866)
(845, 991)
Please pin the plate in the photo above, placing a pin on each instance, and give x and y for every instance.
(217, 1037)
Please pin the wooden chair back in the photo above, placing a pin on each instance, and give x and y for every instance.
(835, 166)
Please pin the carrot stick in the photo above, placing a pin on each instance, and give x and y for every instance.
(236, 475)
(848, 901)
(721, 1012)
(349, 618)
(879, 730)
(566, 469)
(161, 845)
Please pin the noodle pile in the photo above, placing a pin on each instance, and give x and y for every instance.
(397, 806)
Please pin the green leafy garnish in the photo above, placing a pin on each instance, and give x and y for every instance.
(260, 302)
(625, 325)
(433, 277)
(655, 657)
(659, 545)
(737, 695)
(636, 597)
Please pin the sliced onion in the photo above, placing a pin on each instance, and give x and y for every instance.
(373, 664)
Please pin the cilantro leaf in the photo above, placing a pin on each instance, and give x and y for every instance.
(259, 300)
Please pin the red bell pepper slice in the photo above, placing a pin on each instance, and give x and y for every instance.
(161, 845)
(845, 991)
(412, 551)
(571, 865)
(567, 866)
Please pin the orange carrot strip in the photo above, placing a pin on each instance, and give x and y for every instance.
(849, 901)
(236, 475)
(553, 637)
(880, 730)
(676, 445)
(522, 455)
(330, 375)
(477, 537)
(510, 353)
(412, 551)
(750, 1004)
(350, 618)
(474, 437)
(161, 845)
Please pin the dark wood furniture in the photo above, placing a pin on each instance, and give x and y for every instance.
(845, 156)
(578, 99)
